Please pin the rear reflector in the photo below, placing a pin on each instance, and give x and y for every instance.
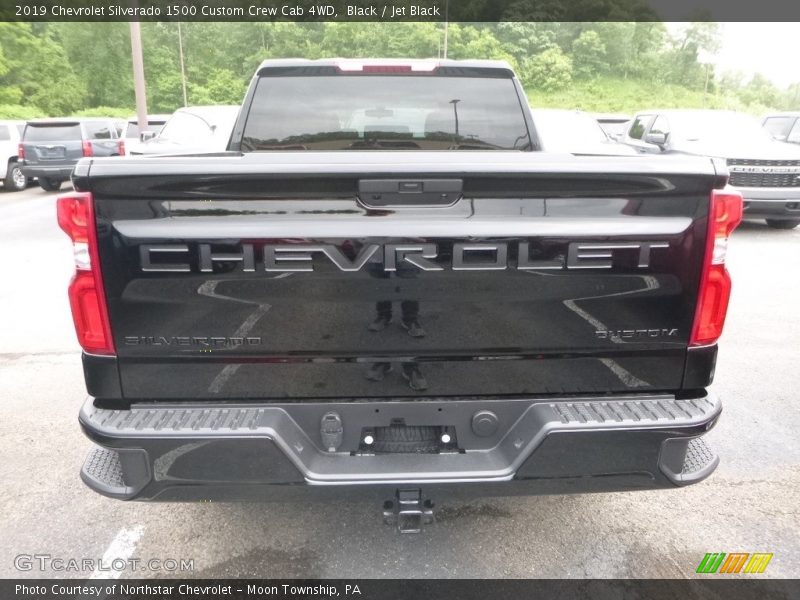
(87, 148)
(121, 147)
(86, 293)
(725, 214)
(20, 152)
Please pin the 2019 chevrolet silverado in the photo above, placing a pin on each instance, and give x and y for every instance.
(383, 287)
(50, 148)
(765, 171)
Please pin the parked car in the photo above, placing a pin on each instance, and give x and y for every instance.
(50, 147)
(614, 124)
(766, 171)
(784, 127)
(193, 129)
(134, 137)
(10, 134)
(575, 132)
(384, 286)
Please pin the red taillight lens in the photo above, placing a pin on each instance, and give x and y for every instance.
(86, 293)
(20, 152)
(715, 284)
(87, 148)
(121, 147)
(90, 324)
(73, 216)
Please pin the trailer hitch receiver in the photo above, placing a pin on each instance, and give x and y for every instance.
(408, 511)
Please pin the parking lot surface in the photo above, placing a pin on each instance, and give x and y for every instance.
(751, 503)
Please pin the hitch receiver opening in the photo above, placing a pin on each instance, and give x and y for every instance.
(408, 511)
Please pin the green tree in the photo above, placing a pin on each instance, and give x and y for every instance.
(38, 72)
(468, 41)
(548, 71)
(760, 90)
(222, 87)
(524, 40)
(588, 55)
(791, 97)
(692, 41)
(100, 55)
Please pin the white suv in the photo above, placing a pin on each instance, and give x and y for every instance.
(13, 177)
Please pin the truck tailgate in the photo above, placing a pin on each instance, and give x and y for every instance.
(258, 276)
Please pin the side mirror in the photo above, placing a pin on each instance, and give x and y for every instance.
(147, 135)
(657, 139)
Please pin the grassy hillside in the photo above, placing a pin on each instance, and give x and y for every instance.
(630, 95)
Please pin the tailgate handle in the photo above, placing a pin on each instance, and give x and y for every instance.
(409, 192)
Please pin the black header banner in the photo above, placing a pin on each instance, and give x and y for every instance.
(394, 589)
(398, 10)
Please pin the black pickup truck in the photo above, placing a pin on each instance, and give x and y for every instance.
(384, 288)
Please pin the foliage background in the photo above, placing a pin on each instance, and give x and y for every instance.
(55, 69)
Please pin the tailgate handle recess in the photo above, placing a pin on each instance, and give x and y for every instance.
(409, 192)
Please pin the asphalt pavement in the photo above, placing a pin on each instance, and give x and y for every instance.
(751, 503)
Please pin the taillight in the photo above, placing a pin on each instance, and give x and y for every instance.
(87, 148)
(20, 152)
(386, 69)
(121, 147)
(715, 284)
(86, 293)
(421, 67)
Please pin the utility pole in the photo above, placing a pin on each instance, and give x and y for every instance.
(183, 67)
(138, 75)
(706, 58)
(446, 24)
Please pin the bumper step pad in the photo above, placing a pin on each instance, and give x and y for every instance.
(104, 470)
(103, 466)
(700, 458)
(697, 461)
